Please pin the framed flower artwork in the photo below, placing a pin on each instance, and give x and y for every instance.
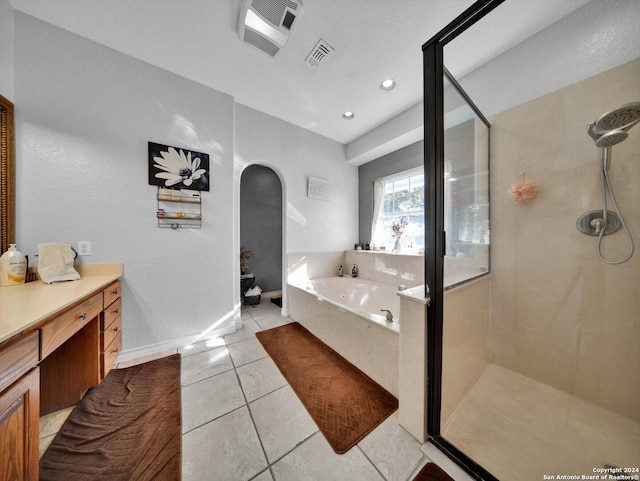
(178, 168)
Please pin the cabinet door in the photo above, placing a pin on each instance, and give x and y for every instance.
(19, 426)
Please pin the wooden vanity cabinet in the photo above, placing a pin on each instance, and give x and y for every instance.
(19, 409)
(66, 346)
(110, 328)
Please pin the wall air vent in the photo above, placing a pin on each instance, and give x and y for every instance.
(319, 53)
(268, 24)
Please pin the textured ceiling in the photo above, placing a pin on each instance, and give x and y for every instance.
(373, 40)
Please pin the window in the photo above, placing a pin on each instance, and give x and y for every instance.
(399, 211)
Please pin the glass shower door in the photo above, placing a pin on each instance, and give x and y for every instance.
(540, 348)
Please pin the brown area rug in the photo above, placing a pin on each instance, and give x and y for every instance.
(344, 402)
(127, 428)
(432, 472)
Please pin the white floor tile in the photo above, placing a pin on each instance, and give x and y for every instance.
(52, 422)
(223, 450)
(205, 364)
(282, 422)
(246, 351)
(314, 460)
(44, 443)
(201, 346)
(209, 399)
(393, 450)
(265, 313)
(248, 331)
(264, 476)
(145, 358)
(259, 378)
(273, 321)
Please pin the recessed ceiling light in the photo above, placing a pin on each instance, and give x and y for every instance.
(348, 115)
(387, 85)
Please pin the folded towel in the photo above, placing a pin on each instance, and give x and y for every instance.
(254, 291)
(55, 263)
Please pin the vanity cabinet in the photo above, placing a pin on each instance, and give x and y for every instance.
(19, 406)
(110, 328)
(56, 342)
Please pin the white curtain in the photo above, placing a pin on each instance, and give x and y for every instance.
(378, 207)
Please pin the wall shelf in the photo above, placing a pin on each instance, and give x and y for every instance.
(179, 208)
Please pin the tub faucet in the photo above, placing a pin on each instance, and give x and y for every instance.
(389, 315)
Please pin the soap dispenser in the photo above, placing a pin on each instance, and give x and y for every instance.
(340, 271)
(354, 271)
(13, 267)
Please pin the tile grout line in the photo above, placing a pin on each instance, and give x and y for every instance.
(253, 422)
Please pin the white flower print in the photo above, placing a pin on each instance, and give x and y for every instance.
(178, 167)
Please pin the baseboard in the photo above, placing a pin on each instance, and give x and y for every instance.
(151, 349)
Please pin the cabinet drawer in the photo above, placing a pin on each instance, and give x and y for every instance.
(108, 335)
(55, 332)
(110, 294)
(17, 359)
(110, 354)
(110, 314)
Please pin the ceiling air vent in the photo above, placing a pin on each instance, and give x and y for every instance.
(268, 24)
(319, 53)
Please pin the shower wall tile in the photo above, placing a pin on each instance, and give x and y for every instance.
(466, 353)
(560, 315)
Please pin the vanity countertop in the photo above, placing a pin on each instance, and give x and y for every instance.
(25, 305)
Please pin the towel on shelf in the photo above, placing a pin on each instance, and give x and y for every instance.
(55, 263)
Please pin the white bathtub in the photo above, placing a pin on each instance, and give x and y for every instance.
(362, 297)
(344, 313)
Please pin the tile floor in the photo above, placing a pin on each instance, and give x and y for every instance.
(241, 421)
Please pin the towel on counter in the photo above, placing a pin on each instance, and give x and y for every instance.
(55, 263)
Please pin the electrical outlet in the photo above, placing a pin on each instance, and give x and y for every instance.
(84, 248)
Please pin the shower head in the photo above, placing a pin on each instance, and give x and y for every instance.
(622, 118)
(611, 138)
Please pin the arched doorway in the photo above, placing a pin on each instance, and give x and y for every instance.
(261, 224)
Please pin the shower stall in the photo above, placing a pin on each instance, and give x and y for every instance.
(534, 349)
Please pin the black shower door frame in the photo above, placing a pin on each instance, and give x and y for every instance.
(435, 240)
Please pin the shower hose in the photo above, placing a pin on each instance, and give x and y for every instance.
(606, 189)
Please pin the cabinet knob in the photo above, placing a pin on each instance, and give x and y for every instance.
(114, 292)
(116, 350)
(83, 316)
(115, 329)
(116, 311)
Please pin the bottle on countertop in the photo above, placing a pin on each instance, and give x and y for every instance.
(354, 271)
(13, 267)
(340, 271)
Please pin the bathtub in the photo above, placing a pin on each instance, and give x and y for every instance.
(344, 313)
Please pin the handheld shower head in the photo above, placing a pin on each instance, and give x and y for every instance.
(611, 138)
(622, 118)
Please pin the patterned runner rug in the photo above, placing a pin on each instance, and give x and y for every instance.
(344, 402)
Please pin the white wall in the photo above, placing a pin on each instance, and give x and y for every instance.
(84, 114)
(596, 37)
(295, 154)
(6, 49)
